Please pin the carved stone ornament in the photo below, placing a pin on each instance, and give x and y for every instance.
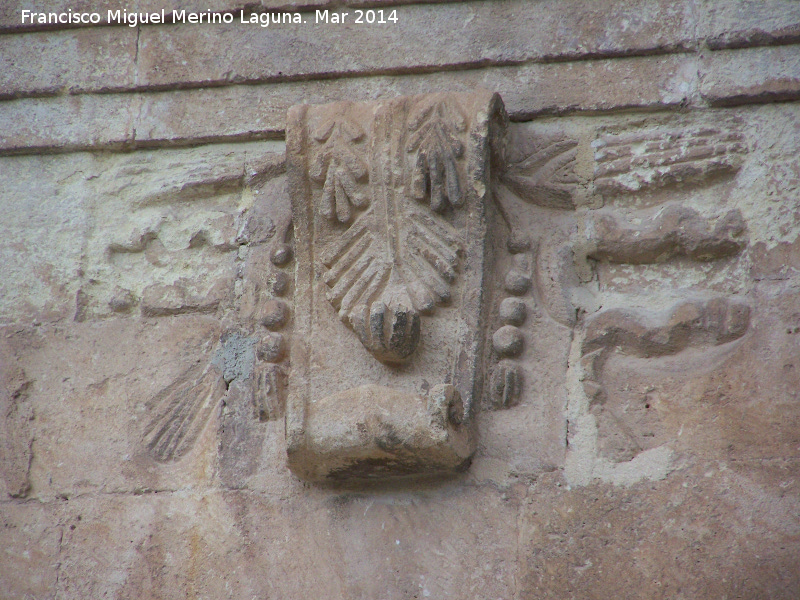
(389, 202)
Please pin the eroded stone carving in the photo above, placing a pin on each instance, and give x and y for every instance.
(688, 324)
(645, 160)
(508, 339)
(506, 384)
(396, 260)
(389, 204)
(542, 171)
(181, 411)
(690, 335)
(673, 231)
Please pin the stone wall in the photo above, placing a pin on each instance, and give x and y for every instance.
(643, 443)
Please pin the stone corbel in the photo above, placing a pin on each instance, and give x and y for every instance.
(390, 202)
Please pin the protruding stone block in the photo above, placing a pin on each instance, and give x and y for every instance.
(389, 203)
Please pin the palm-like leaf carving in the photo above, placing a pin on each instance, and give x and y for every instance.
(380, 284)
(435, 126)
(339, 169)
(181, 411)
(396, 259)
(546, 176)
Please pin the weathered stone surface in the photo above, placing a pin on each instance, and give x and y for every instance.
(93, 59)
(180, 412)
(102, 425)
(506, 385)
(541, 169)
(258, 112)
(627, 416)
(517, 282)
(513, 311)
(668, 82)
(508, 341)
(274, 314)
(131, 231)
(69, 123)
(527, 437)
(642, 160)
(282, 255)
(723, 410)
(177, 55)
(103, 59)
(375, 432)
(662, 540)
(729, 78)
(272, 347)
(31, 535)
(145, 553)
(41, 247)
(748, 23)
(491, 33)
(408, 538)
(16, 414)
(181, 297)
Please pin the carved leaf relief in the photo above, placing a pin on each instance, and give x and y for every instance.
(181, 411)
(416, 244)
(435, 125)
(395, 258)
(381, 277)
(546, 175)
(339, 168)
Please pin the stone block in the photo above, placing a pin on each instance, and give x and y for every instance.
(154, 214)
(749, 23)
(491, 34)
(258, 112)
(67, 123)
(148, 545)
(382, 194)
(93, 59)
(30, 535)
(107, 427)
(16, 435)
(392, 544)
(40, 249)
(661, 540)
(757, 75)
(527, 90)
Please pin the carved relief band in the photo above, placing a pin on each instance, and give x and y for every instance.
(389, 203)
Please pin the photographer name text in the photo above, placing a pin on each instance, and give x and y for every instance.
(133, 19)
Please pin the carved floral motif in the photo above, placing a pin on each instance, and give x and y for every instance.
(395, 245)
(436, 125)
(339, 167)
(396, 260)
